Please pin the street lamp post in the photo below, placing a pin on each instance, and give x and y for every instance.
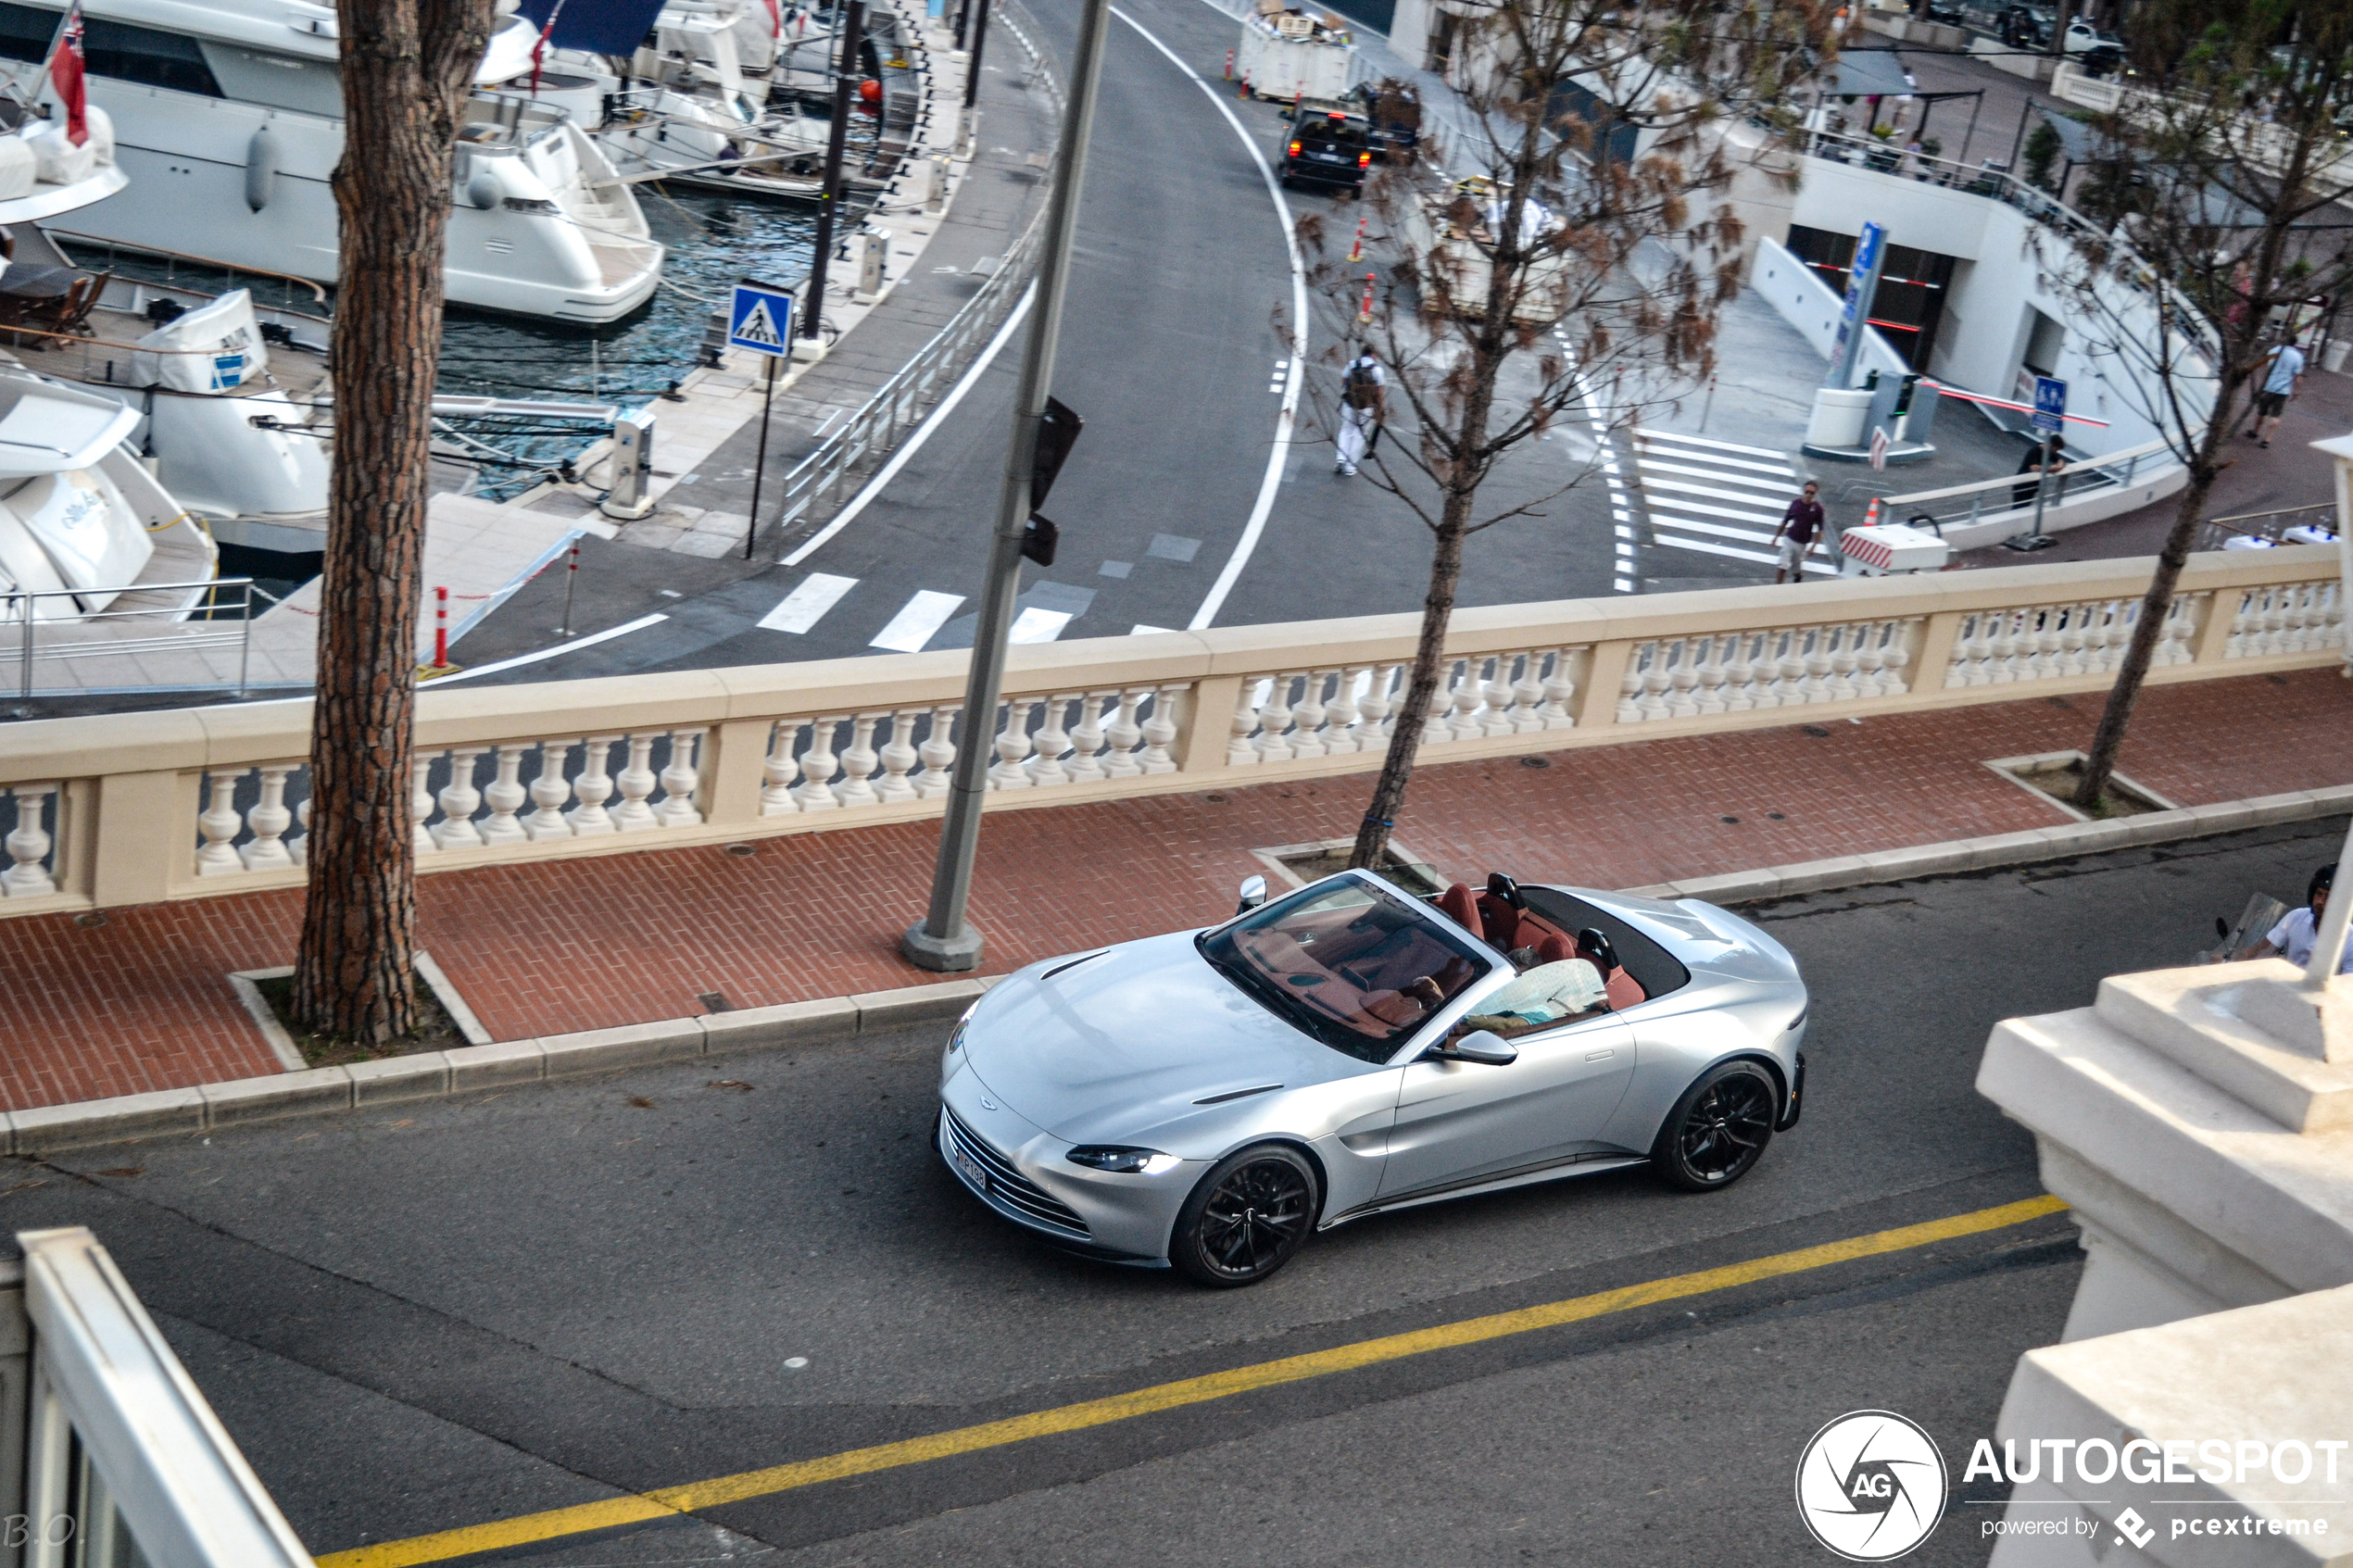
(945, 942)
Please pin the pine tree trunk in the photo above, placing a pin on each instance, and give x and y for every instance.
(407, 66)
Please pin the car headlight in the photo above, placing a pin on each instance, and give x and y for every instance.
(956, 1036)
(1125, 1161)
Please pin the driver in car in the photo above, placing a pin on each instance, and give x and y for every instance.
(1547, 994)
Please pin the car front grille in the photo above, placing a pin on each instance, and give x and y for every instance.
(1008, 1185)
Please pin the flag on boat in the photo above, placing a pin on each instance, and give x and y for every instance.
(539, 49)
(65, 69)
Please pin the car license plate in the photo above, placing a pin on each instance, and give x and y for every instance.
(972, 1169)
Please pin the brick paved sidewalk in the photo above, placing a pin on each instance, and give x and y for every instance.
(140, 1002)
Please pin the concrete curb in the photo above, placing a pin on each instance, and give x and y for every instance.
(439, 1074)
(2061, 842)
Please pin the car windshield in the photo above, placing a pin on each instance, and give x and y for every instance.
(1332, 133)
(1356, 968)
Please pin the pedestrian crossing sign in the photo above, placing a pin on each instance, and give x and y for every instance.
(760, 318)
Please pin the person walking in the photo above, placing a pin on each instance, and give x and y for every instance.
(1799, 527)
(2282, 372)
(1363, 403)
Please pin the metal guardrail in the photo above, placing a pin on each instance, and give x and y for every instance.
(1963, 504)
(2268, 526)
(821, 483)
(22, 609)
(112, 1455)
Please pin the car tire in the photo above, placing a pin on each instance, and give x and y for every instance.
(1718, 1130)
(1223, 1240)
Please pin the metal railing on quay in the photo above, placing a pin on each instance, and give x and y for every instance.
(226, 599)
(1959, 504)
(820, 483)
(2282, 525)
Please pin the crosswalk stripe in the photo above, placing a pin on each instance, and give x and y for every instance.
(917, 622)
(1781, 486)
(1714, 530)
(1662, 506)
(1678, 491)
(1703, 548)
(1034, 625)
(808, 603)
(1649, 435)
(1722, 468)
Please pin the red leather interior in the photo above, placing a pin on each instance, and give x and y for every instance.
(1457, 904)
(1555, 949)
(1502, 922)
(1624, 990)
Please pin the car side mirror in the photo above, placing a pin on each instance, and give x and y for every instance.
(1486, 1048)
(1254, 893)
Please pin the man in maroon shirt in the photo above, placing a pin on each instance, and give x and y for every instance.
(1800, 526)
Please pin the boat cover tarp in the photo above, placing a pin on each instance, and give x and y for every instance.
(603, 27)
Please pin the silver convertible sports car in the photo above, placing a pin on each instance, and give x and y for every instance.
(1209, 1098)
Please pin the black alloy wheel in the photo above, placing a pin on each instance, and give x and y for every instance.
(1718, 1129)
(1247, 1217)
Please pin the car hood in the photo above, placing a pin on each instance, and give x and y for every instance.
(1101, 1050)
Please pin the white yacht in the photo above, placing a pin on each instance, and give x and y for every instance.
(681, 105)
(229, 115)
(84, 525)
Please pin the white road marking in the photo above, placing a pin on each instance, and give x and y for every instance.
(1034, 625)
(922, 433)
(1287, 420)
(608, 635)
(1649, 435)
(917, 622)
(808, 603)
(1141, 629)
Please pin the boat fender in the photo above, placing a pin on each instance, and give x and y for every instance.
(261, 169)
(482, 185)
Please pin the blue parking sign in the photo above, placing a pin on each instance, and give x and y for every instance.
(2050, 404)
(760, 318)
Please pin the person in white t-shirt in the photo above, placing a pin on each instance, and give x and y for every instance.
(2281, 373)
(2293, 937)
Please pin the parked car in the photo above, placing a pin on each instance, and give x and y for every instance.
(1327, 147)
(2025, 27)
(2097, 53)
(1211, 1098)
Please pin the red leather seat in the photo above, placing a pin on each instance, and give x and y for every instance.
(1555, 949)
(1623, 989)
(1501, 920)
(1457, 904)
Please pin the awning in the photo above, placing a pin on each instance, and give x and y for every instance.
(602, 27)
(1869, 73)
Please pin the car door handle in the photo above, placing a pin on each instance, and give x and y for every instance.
(1599, 1055)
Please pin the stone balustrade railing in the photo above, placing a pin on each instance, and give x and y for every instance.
(131, 809)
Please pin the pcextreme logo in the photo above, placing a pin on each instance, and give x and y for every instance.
(1870, 1485)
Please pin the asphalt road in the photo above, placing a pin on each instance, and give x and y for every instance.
(1181, 291)
(427, 1318)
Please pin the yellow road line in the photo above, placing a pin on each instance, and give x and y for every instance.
(697, 1495)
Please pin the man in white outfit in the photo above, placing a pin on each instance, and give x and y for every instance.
(1362, 393)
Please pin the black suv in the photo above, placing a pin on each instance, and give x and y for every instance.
(1329, 148)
